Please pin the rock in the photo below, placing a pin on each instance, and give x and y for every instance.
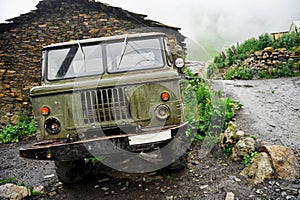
(103, 180)
(15, 119)
(229, 196)
(169, 197)
(259, 170)
(243, 147)
(240, 134)
(105, 189)
(269, 49)
(228, 137)
(284, 161)
(13, 192)
(202, 187)
(194, 162)
(39, 189)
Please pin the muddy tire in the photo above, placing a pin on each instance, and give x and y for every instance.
(69, 172)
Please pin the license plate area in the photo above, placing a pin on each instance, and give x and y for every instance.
(149, 138)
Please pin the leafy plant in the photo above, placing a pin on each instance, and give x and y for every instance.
(228, 149)
(25, 127)
(170, 178)
(8, 180)
(248, 158)
(205, 110)
(265, 40)
(96, 160)
(288, 41)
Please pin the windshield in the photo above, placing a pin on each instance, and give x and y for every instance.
(74, 61)
(129, 55)
(81, 60)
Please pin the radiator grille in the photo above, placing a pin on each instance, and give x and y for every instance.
(105, 105)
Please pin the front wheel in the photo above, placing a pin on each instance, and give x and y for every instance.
(180, 163)
(70, 171)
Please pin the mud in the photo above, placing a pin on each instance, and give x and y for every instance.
(270, 112)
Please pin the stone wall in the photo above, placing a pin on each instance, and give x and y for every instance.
(57, 21)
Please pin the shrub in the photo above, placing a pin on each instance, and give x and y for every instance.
(231, 74)
(245, 74)
(288, 41)
(265, 40)
(25, 127)
(206, 112)
(247, 46)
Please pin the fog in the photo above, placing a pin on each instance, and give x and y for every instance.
(208, 24)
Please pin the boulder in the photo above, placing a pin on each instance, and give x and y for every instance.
(243, 147)
(259, 170)
(13, 192)
(284, 161)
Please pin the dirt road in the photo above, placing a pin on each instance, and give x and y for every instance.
(271, 108)
(271, 112)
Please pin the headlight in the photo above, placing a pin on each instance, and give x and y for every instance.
(179, 63)
(162, 112)
(52, 126)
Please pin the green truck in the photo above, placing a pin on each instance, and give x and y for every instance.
(108, 96)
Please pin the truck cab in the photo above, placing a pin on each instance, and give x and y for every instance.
(108, 96)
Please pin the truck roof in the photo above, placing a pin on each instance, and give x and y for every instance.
(101, 39)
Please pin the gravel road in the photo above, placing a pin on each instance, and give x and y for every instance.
(271, 108)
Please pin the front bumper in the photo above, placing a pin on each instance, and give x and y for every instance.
(61, 150)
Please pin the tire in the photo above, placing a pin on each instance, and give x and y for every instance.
(179, 164)
(69, 172)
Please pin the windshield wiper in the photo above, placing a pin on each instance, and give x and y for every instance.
(67, 62)
(123, 51)
(82, 55)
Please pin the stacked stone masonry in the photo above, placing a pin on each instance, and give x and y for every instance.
(55, 21)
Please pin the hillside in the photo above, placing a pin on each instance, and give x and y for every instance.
(264, 57)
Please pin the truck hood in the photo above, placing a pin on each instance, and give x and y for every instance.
(107, 80)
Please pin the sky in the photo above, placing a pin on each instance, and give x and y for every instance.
(207, 23)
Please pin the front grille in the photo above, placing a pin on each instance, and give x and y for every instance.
(105, 105)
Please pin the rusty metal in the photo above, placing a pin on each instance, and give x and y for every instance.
(64, 150)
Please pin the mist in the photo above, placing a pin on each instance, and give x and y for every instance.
(210, 26)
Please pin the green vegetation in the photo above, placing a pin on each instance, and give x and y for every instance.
(15, 181)
(207, 113)
(228, 149)
(248, 158)
(24, 128)
(234, 64)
